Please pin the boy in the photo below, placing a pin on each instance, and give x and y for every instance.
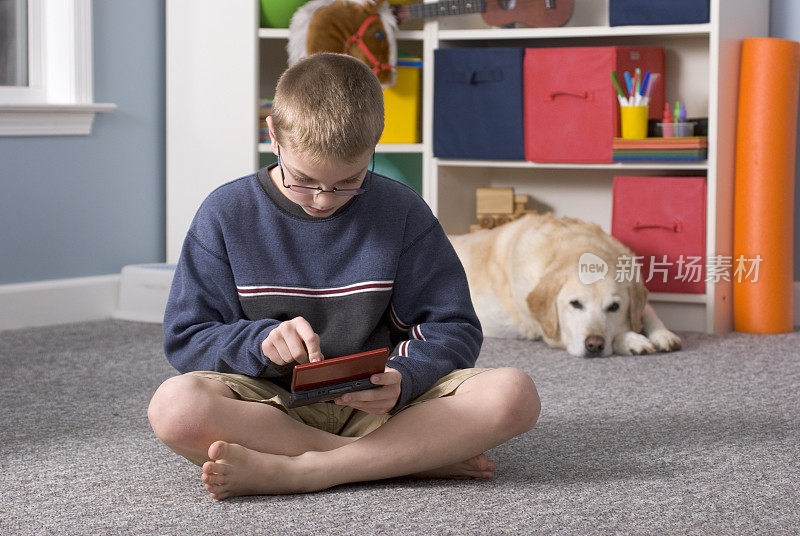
(316, 256)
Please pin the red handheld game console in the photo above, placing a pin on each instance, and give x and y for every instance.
(327, 379)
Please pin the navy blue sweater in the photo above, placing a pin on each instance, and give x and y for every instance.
(379, 272)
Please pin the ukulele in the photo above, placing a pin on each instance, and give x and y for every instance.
(536, 13)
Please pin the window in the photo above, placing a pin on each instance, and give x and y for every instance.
(46, 68)
(13, 43)
(20, 52)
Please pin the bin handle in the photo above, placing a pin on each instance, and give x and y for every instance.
(676, 226)
(486, 75)
(476, 76)
(585, 95)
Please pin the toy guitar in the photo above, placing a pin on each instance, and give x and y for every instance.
(536, 13)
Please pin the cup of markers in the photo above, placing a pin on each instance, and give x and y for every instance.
(633, 104)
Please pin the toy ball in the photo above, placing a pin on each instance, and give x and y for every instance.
(278, 13)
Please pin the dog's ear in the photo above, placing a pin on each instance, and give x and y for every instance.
(638, 295)
(542, 303)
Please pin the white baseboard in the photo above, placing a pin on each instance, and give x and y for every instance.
(60, 301)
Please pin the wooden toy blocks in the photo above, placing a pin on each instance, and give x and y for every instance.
(496, 206)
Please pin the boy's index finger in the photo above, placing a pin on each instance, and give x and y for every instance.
(313, 349)
(311, 341)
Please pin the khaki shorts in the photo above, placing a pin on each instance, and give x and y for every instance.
(341, 420)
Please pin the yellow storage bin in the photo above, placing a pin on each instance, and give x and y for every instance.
(401, 102)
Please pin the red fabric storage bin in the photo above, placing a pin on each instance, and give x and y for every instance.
(664, 216)
(571, 107)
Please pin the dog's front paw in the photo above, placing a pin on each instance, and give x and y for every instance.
(665, 341)
(631, 343)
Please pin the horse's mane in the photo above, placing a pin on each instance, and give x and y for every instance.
(298, 28)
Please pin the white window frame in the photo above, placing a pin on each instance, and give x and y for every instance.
(59, 98)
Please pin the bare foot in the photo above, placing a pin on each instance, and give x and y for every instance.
(236, 470)
(477, 467)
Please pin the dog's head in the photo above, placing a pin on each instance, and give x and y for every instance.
(585, 317)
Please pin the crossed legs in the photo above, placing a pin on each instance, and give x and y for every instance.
(248, 448)
(188, 413)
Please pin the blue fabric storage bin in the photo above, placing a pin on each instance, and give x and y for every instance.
(632, 12)
(477, 103)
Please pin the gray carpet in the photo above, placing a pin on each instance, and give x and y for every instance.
(704, 441)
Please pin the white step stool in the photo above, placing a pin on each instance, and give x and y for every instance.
(143, 292)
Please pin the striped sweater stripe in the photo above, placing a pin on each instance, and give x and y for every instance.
(399, 324)
(356, 288)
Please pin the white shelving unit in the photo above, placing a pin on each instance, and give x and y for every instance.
(702, 64)
(211, 85)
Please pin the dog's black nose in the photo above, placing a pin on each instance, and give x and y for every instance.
(594, 345)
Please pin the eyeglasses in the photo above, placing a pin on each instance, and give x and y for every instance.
(314, 190)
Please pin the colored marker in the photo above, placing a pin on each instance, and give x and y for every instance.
(650, 84)
(628, 83)
(667, 128)
(644, 83)
(620, 93)
(682, 128)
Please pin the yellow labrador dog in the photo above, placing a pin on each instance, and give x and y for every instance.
(558, 279)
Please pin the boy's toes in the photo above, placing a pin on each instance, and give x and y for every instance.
(212, 479)
(217, 492)
(215, 468)
(485, 464)
(217, 450)
(482, 462)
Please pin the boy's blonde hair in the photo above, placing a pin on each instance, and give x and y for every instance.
(328, 106)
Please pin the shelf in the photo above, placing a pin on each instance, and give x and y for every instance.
(699, 166)
(273, 33)
(283, 33)
(563, 32)
(572, 32)
(399, 148)
(381, 148)
(410, 35)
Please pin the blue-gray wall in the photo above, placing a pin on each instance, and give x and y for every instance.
(784, 22)
(86, 205)
(73, 206)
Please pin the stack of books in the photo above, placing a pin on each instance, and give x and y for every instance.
(264, 109)
(686, 149)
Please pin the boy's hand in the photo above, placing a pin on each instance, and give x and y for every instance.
(292, 340)
(378, 400)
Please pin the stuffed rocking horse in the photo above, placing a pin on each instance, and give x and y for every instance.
(364, 29)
